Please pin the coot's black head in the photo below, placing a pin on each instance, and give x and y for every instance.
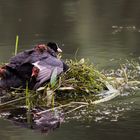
(54, 46)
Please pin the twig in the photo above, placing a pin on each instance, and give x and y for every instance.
(12, 101)
(125, 74)
(66, 88)
(15, 100)
(79, 107)
(83, 104)
(58, 107)
(134, 82)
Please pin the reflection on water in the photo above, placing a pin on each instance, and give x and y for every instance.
(9, 131)
(117, 119)
(104, 32)
(112, 111)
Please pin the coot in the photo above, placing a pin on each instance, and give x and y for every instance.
(19, 70)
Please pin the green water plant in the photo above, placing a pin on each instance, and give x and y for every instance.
(81, 85)
(16, 44)
(28, 104)
(83, 77)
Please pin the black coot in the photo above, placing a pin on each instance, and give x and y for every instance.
(20, 68)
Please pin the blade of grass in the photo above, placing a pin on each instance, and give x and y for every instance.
(53, 80)
(16, 45)
(28, 105)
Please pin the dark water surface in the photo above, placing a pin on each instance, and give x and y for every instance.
(103, 31)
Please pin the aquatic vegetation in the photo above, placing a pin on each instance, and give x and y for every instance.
(82, 82)
(16, 44)
(82, 85)
(83, 76)
(128, 75)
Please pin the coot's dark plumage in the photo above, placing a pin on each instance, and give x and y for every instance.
(30, 56)
(19, 70)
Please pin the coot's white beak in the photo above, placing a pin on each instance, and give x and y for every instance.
(59, 50)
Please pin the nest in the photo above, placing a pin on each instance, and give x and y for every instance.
(80, 86)
(80, 81)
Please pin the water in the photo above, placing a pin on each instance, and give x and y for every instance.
(103, 31)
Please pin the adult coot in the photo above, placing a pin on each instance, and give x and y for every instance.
(20, 68)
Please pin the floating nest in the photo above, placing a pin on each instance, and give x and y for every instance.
(82, 82)
(80, 86)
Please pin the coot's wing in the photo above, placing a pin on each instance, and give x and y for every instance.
(45, 75)
(54, 62)
(51, 61)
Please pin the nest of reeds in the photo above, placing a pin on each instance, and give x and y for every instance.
(83, 76)
(75, 89)
(81, 80)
